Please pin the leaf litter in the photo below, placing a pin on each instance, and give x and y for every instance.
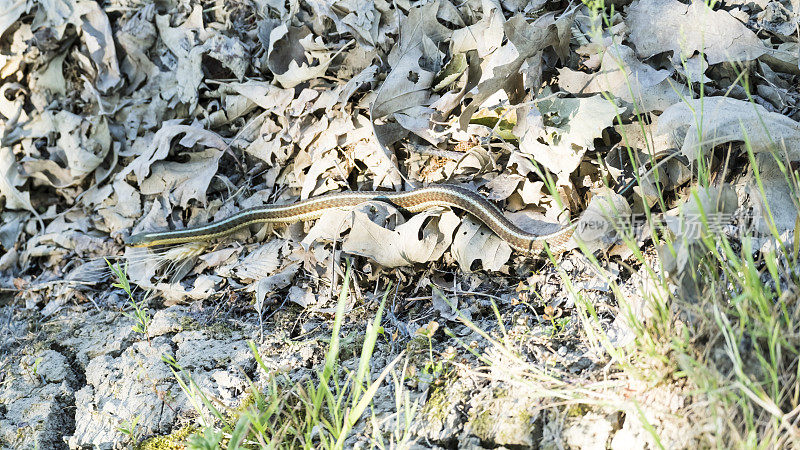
(124, 118)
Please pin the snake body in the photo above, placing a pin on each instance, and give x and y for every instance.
(411, 201)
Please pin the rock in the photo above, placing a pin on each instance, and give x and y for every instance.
(36, 395)
(496, 415)
(218, 366)
(660, 408)
(49, 365)
(198, 350)
(441, 419)
(136, 387)
(588, 432)
(90, 334)
(505, 417)
(630, 437)
(167, 321)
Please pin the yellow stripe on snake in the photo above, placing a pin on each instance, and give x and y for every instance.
(412, 201)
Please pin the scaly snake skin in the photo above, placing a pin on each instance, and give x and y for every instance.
(412, 201)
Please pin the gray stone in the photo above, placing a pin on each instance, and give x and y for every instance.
(199, 350)
(90, 334)
(504, 417)
(136, 387)
(632, 436)
(167, 321)
(588, 432)
(37, 393)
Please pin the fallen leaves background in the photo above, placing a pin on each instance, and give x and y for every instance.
(123, 117)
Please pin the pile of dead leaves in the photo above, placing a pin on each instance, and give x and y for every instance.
(131, 116)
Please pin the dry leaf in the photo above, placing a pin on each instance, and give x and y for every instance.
(353, 84)
(423, 238)
(51, 81)
(267, 96)
(291, 54)
(625, 77)
(218, 257)
(183, 181)
(503, 185)
(82, 146)
(710, 207)
(570, 127)
(659, 26)
(182, 41)
(699, 125)
(11, 12)
(96, 34)
(784, 57)
(272, 283)
(261, 262)
(779, 19)
(10, 178)
(11, 226)
(203, 287)
(160, 147)
(121, 210)
(136, 37)
(359, 18)
(603, 222)
(501, 69)
(775, 205)
(230, 52)
(485, 36)
(473, 241)
(406, 88)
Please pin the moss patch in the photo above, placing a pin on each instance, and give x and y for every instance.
(173, 441)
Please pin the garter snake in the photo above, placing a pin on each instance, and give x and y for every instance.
(411, 201)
